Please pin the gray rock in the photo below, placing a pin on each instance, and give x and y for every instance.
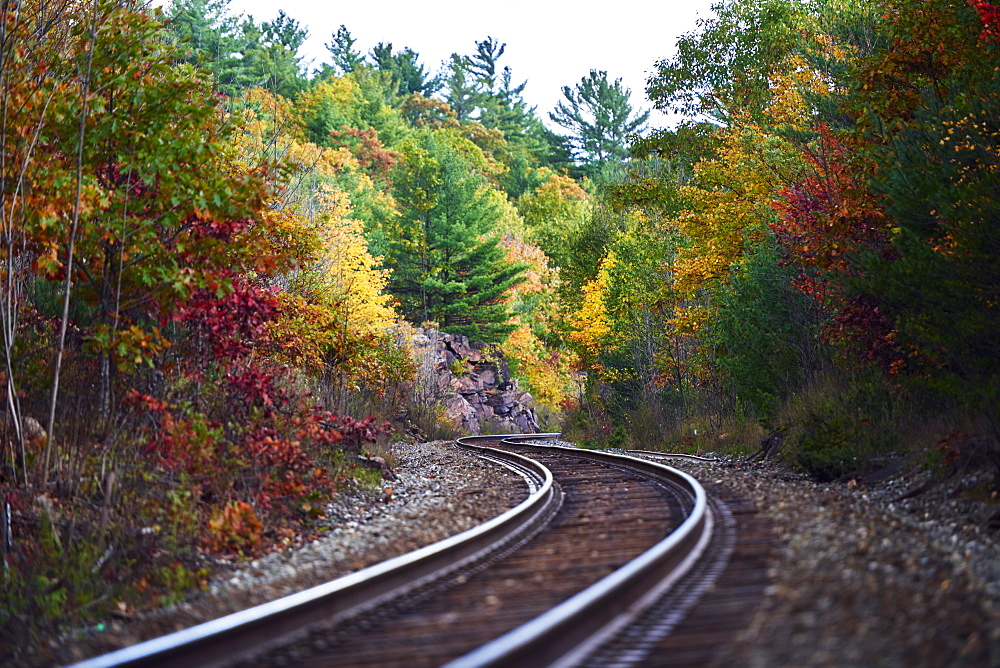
(485, 398)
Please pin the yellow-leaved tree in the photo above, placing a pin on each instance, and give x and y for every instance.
(336, 314)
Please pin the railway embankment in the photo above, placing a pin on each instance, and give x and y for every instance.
(862, 573)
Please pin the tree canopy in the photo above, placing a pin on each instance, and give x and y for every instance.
(214, 262)
(600, 119)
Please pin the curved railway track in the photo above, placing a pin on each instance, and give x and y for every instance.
(598, 566)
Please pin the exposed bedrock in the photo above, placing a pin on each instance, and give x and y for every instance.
(471, 380)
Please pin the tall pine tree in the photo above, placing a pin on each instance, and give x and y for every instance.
(599, 117)
(446, 262)
(406, 72)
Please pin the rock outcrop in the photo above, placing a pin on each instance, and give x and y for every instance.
(472, 382)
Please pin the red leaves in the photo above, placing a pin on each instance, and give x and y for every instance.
(254, 387)
(352, 433)
(950, 446)
(823, 220)
(989, 14)
(368, 149)
(231, 323)
(270, 450)
(204, 225)
(863, 328)
(188, 445)
(135, 398)
(827, 215)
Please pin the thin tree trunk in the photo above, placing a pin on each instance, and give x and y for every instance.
(9, 306)
(84, 93)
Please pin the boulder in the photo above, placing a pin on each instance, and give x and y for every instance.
(487, 376)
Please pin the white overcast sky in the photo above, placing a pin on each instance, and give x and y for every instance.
(550, 43)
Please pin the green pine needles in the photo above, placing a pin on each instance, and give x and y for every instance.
(446, 260)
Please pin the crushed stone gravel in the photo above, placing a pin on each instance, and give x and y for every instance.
(439, 491)
(862, 577)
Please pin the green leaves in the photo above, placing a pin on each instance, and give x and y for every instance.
(239, 53)
(725, 68)
(600, 119)
(446, 264)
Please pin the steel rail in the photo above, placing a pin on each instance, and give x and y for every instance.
(284, 619)
(565, 634)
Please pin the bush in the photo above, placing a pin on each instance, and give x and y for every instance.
(839, 422)
(234, 528)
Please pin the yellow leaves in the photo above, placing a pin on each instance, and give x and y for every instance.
(333, 203)
(732, 198)
(558, 196)
(788, 90)
(591, 326)
(509, 221)
(548, 371)
(550, 374)
(339, 93)
(688, 320)
(694, 270)
(554, 212)
(727, 204)
(350, 273)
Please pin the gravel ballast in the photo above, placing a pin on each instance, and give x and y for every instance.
(862, 577)
(438, 491)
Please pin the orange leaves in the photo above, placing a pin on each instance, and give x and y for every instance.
(235, 528)
(549, 372)
(539, 276)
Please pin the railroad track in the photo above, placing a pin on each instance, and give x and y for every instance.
(599, 565)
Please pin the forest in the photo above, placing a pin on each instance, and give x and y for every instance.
(213, 260)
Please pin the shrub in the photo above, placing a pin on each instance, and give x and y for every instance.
(235, 528)
(840, 421)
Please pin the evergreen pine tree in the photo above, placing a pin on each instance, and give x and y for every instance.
(447, 265)
(406, 72)
(341, 48)
(207, 35)
(600, 119)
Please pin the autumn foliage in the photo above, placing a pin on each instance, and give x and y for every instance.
(208, 262)
(205, 261)
(827, 225)
(149, 255)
